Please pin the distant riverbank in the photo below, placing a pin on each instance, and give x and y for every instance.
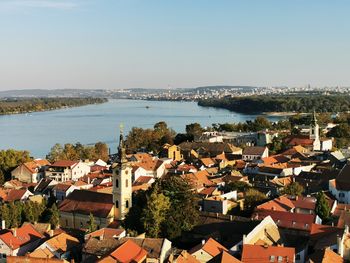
(28, 105)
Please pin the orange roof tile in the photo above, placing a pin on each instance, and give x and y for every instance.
(129, 252)
(265, 254)
(23, 236)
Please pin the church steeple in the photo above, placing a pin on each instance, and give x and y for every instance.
(314, 128)
(122, 181)
(121, 149)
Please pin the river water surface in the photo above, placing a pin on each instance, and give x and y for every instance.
(38, 132)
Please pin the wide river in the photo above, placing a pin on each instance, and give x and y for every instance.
(38, 132)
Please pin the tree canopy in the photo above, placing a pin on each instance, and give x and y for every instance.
(294, 189)
(9, 160)
(322, 206)
(78, 152)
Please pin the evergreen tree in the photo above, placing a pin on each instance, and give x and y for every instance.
(154, 213)
(322, 206)
(5, 215)
(92, 224)
(54, 217)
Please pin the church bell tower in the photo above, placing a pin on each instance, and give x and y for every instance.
(122, 182)
(314, 128)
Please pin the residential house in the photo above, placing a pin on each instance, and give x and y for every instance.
(75, 210)
(172, 152)
(207, 250)
(207, 149)
(340, 186)
(65, 170)
(45, 186)
(105, 233)
(148, 167)
(19, 241)
(30, 172)
(254, 153)
(61, 191)
(11, 195)
(268, 254)
(289, 220)
(158, 249)
(127, 252)
(61, 246)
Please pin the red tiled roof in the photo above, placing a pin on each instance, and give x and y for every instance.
(281, 203)
(143, 180)
(212, 247)
(208, 191)
(287, 219)
(254, 150)
(294, 140)
(86, 202)
(129, 252)
(15, 195)
(24, 235)
(64, 163)
(32, 166)
(264, 254)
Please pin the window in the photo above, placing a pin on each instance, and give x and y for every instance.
(272, 258)
(116, 183)
(127, 204)
(66, 222)
(116, 204)
(126, 183)
(280, 258)
(81, 224)
(297, 257)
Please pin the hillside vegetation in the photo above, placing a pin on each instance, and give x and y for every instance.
(24, 105)
(289, 103)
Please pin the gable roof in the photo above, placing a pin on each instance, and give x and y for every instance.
(224, 257)
(211, 246)
(34, 165)
(287, 219)
(207, 161)
(86, 202)
(129, 252)
(186, 257)
(294, 140)
(262, 254)
(24, 235)
(282, 203)
(64, 163)
(254, 150)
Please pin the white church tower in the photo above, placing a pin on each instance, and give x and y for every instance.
(315, 133)
(122, 182)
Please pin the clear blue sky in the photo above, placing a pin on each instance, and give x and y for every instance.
(182, 43)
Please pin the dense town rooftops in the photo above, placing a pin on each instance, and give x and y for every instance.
(21, 236)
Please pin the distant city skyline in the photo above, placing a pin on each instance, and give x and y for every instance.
(116, 44)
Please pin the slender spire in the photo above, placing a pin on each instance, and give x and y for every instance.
(121, 149)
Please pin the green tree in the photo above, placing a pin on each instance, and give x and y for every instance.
(101, 151)
(5, 214)
(239, 186)
(253, 198)
(154, 213)
(54, 217)
(9, 160)
(194, 130)
(56, 153)
(322, 206)
(92, 224)
(294, 189)
(183, 214)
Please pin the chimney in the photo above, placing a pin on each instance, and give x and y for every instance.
(14, 232)
(203, 242)
(51, 232)
(3, 224)
(296, 198)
